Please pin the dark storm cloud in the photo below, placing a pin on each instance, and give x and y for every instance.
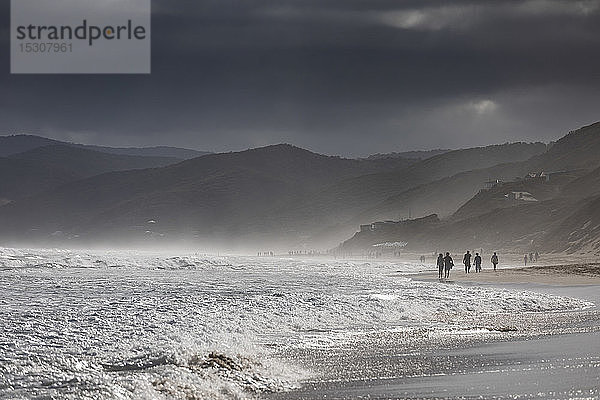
(338, 76)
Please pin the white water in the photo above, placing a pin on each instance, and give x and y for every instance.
(128, 325)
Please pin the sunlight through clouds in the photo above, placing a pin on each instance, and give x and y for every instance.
(482, 106)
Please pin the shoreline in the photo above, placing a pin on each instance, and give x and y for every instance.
(555, 356)
(555, 275)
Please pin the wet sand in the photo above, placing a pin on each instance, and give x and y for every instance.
(572, 274)
(555, 367)
(554, 356)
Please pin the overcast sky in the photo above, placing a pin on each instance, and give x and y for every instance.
(349, 77)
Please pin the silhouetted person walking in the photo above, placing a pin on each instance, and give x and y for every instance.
(440, 264)
(448, 264)
(477, 260)
(525, 259)
(467, 262)
(494, 260)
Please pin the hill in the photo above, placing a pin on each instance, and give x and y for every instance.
(577, 150)
(21, 143)
(442, 197)
(569, 169)
(519, 228)
(554, 208)
(578, 232)
(278, 194)
(585, 186)
(86, 163)
(509, 194)
(213, 196)
(411, 155)
(47, 167)
(156, 151)
(358, 198)
(523, 227)
(19, 178)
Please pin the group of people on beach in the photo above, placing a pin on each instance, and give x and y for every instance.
(446, 263)
(532, 257)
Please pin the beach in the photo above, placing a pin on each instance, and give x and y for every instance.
(547, 355)
(141, 325)
(569, 274)
(558, 367)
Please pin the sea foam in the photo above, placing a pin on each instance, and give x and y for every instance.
(135, 325)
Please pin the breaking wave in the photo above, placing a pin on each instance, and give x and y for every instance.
(132, 325)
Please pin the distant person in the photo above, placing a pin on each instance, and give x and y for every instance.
(494, 260)
(440, 264)
(525, 259)
(448, 264)
(467, 262)
(477, 260)
(530, 257)
(537, 255)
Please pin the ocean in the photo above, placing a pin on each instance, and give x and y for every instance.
(136, 325)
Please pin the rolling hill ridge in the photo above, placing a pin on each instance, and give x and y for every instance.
(551, 206)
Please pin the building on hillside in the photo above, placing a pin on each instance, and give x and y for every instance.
(520, 196)
(537, 176)
(387, 249)
(492, 183)
(366, 228)
(383, 225)
(547, 176)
